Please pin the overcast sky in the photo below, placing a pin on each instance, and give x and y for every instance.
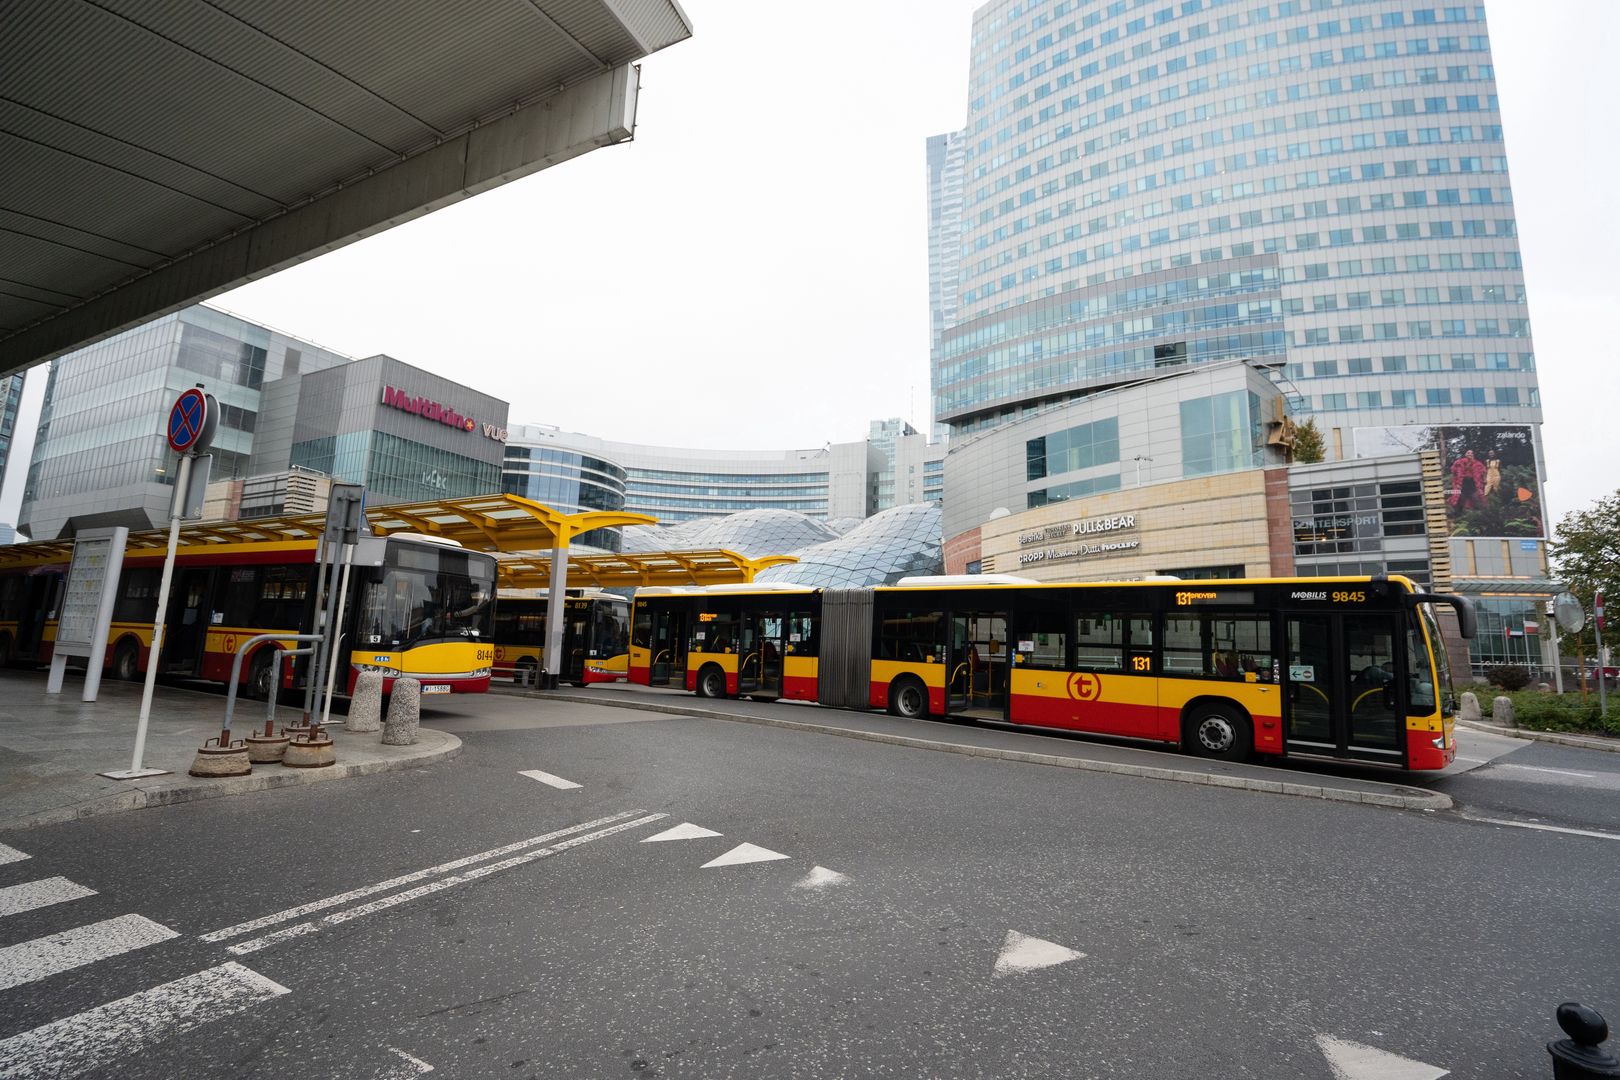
(751, 271)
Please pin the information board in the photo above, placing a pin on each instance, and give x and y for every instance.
(92, 584)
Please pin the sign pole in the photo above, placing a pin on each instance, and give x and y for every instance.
(1602, 665)
(190, 430)
(158, 623)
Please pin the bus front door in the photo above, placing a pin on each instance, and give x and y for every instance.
(576, 641)
(978, 664)
(185, 633)
(668, 647)
(1340, 686)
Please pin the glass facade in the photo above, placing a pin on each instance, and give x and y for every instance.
(396, 469)
(567, 480)
(881, 550)
(100, 446)
(1319, 182)
(680, 495)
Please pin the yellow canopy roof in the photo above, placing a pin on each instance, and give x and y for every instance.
(712, 567)
(483, 523)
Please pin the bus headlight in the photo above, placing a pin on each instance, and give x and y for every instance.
(389, 672)
(479, 673)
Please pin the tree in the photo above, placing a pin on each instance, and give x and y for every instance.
(1308, 448)
(1586, 556)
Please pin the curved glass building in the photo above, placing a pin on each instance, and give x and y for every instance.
(1316, 184)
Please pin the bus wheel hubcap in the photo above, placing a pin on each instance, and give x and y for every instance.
(1215, 733)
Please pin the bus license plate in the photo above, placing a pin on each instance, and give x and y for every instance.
(435, 688)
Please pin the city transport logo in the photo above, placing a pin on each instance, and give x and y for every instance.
(426, 409)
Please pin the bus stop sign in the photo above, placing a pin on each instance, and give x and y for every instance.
(191, 422)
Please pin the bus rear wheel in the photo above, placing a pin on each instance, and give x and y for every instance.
(711, 683)
(126, 666)
(257, 686)
(1220, 732)
(909, 699)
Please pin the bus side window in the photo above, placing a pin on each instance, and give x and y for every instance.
(1099, 641)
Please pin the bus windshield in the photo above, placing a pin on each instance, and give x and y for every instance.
(1427, 691)
(426, 594)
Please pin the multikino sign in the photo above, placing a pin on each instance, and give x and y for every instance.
(426, 409)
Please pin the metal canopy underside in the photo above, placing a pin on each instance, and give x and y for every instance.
(156, 153)
(715, 567)
(483, 523)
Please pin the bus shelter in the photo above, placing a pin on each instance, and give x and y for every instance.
(534, 540)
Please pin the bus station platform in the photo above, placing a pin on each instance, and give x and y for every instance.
(1335, 781)
(53, 746)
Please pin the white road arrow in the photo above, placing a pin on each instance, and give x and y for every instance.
(743, 853)
(820, 878)
(684, 831)
(1353, 1061)
(1021, 953)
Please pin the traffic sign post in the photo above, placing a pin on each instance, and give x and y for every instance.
(1602, 660)
(190, 431)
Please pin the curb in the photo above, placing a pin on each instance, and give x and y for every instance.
(184, 789)
(1404, 799)
(1562, 738)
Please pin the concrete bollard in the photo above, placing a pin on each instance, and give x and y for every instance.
(365, 707)
(311, 750)
(1502, 712)
(1468, 707)
(230, 759)
(404, 713)
(266, 749)
(1581, 1056)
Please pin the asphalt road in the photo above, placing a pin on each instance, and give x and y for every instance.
(1185, 931)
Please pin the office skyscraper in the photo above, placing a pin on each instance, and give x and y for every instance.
(1315, 188)
(1315, 183)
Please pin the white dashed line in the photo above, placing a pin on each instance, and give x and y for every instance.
(37, 894)
(1555, 772)
(31, 960)
(547, 778)
(405, 879)
(84, 1041)
(1543, 828)
(338, 917)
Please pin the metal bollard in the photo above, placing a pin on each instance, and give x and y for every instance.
(1581, 1056)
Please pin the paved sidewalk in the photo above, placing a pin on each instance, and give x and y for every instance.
(1074, 752)
(53, 746)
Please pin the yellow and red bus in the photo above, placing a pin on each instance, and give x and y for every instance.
(728, 640)
(596, 632)
(1346, 668)
(423, 610)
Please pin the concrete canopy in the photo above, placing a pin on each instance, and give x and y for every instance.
(157, 154)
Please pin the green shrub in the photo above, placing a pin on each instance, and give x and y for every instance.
(1508, 677)
(1540, 711)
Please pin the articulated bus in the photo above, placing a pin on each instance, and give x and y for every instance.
(424, 611)
(596, 631)
(728, 640)
(1347, 668)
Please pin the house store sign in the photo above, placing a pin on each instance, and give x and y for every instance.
(1093, 530)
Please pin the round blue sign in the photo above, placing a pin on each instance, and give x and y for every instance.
(187, 419)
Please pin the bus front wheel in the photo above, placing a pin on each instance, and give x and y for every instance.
(1219, 731)
(711, 683)
(908, 699)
